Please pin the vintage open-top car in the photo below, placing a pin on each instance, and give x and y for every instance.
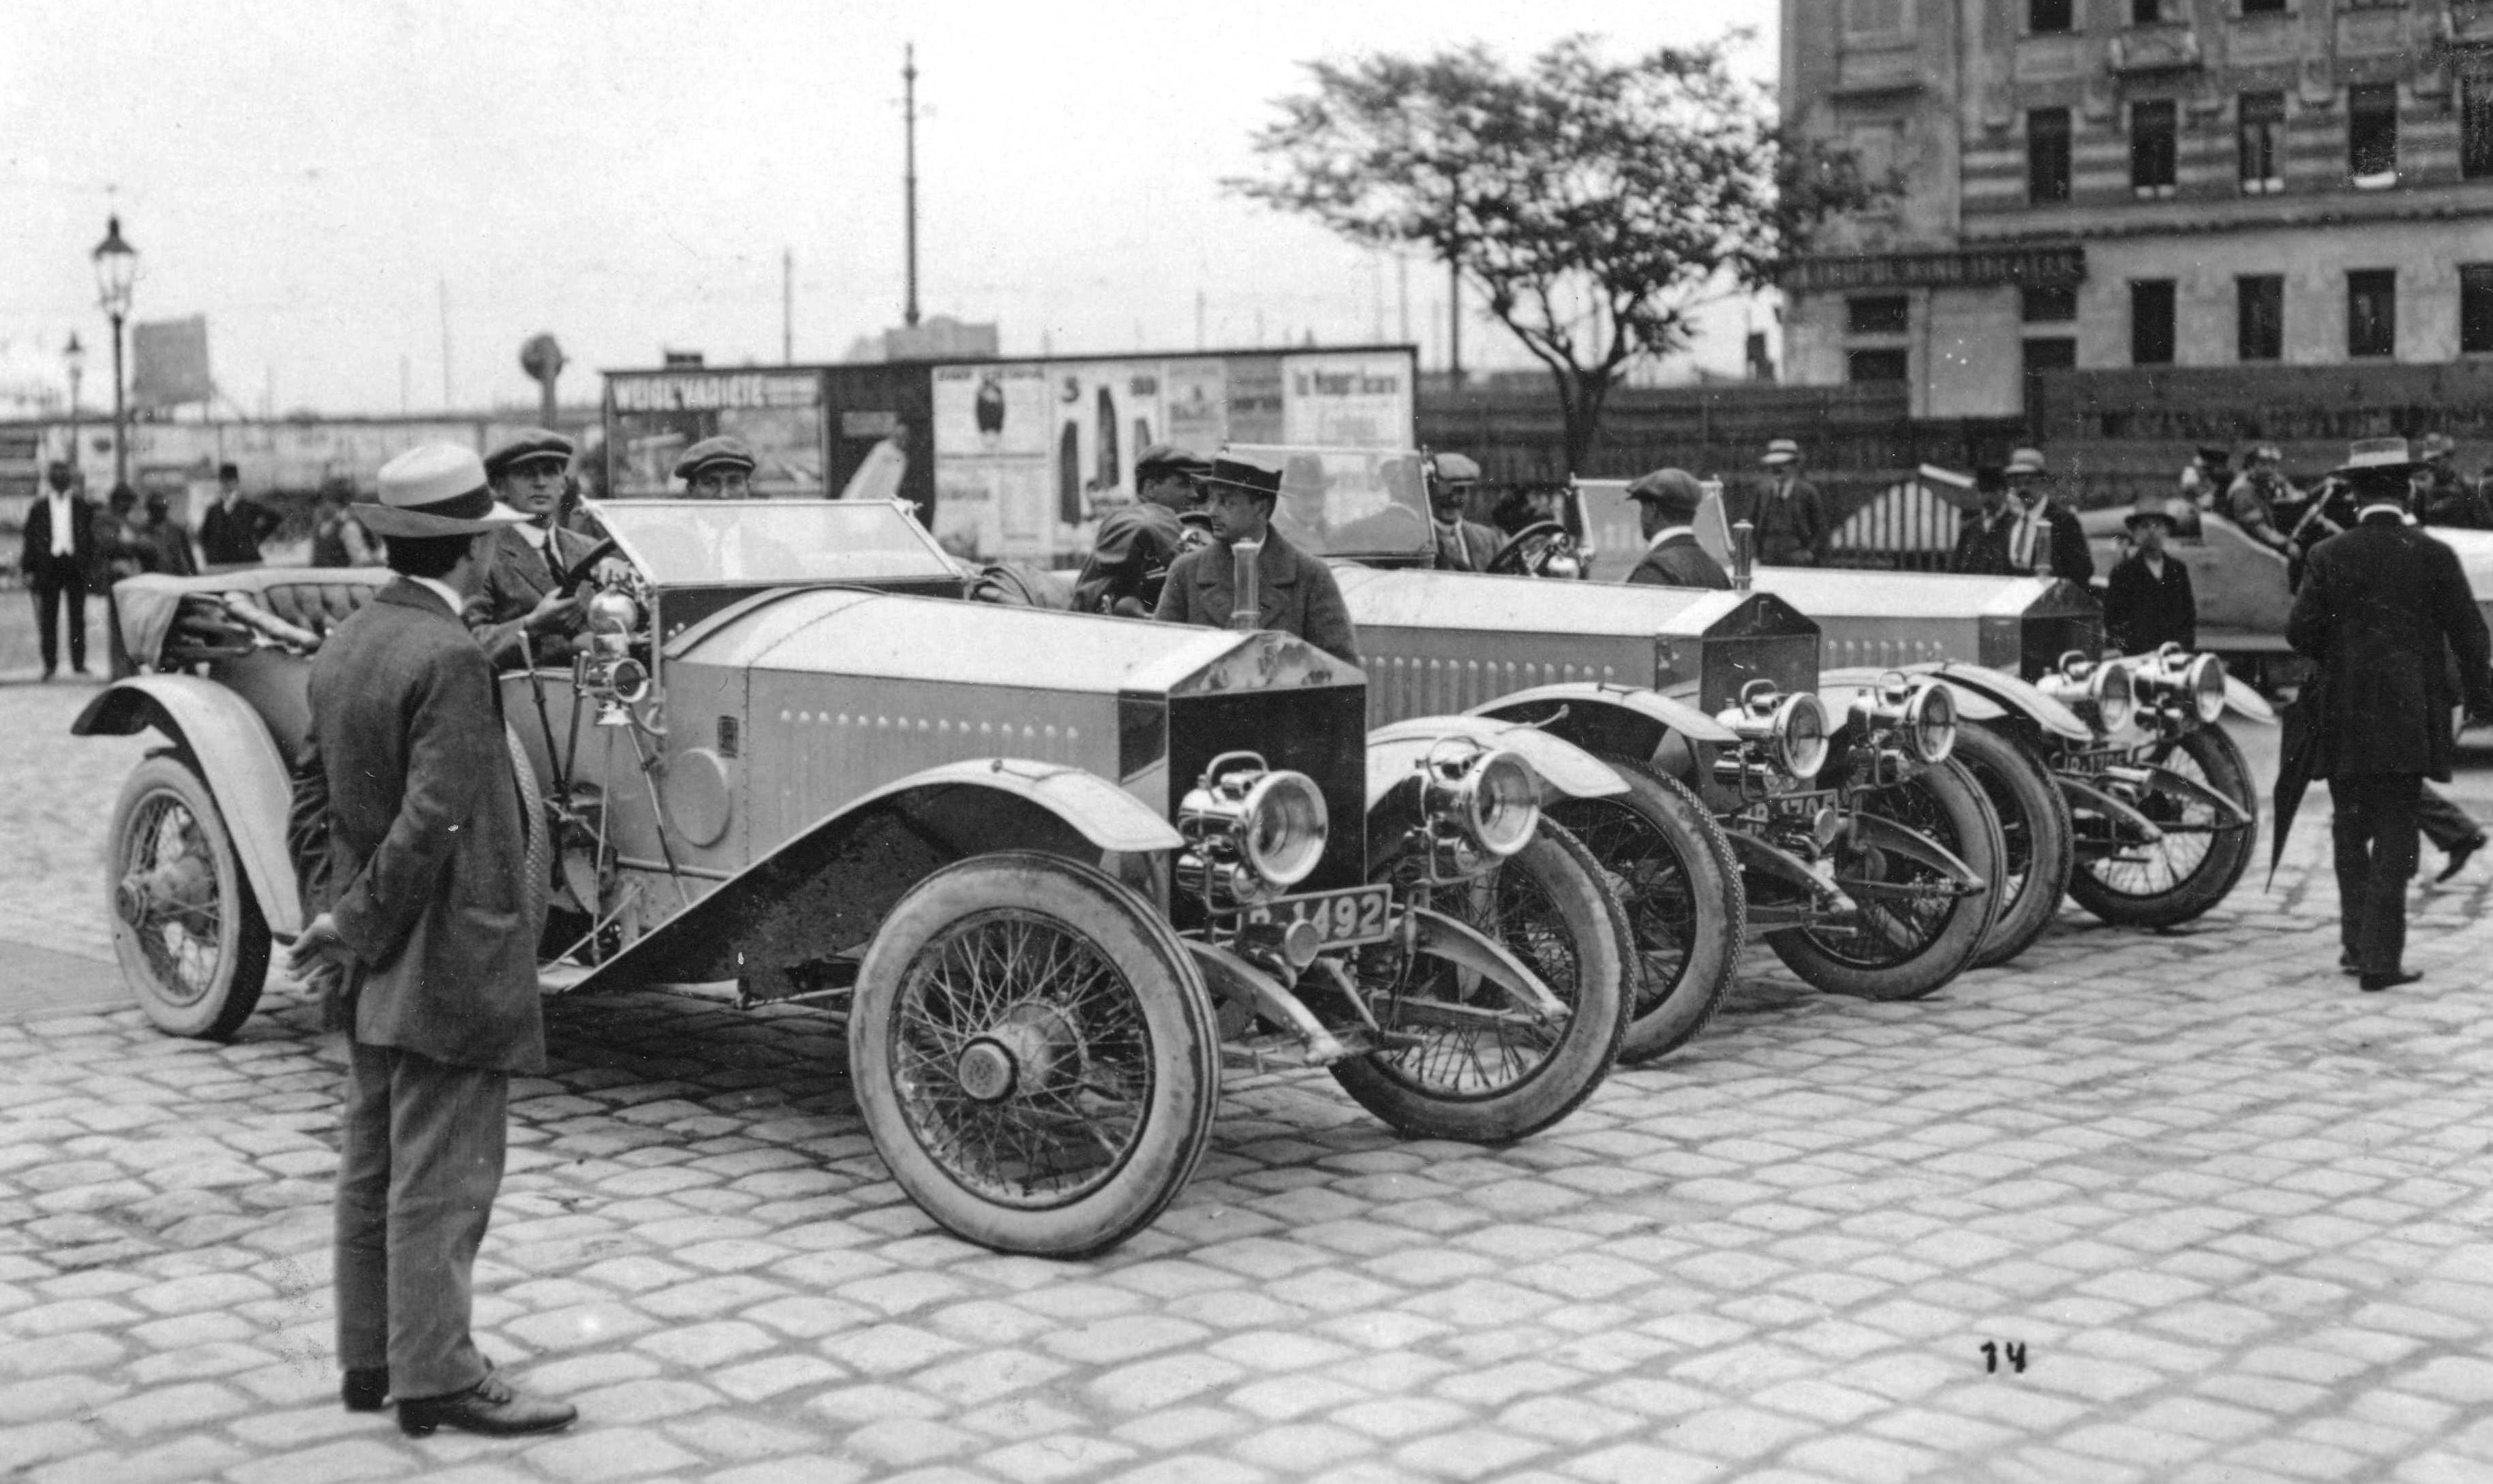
(1048, 863)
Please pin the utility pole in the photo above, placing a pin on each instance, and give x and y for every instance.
(405, 403)
(1376, 286)
(1454, 323)
(1402, 292)
(787, 307)
(447, 399)
(1198, 320)
(909, 177)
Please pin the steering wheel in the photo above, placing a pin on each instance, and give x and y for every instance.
(1527, 552)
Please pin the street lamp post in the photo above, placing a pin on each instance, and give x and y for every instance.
(74, 356)
(116, 269)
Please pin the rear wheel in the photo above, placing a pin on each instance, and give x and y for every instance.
(193, 944)
(1033, 1055)
(1680, 884)
(2198, 862)
(1912, 930)
(1473, 1065)
(2039, 844)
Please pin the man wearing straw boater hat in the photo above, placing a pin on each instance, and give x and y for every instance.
(1292, 591)
(2382, 609)
(413, 849)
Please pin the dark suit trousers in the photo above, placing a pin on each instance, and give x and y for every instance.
(2374, 831)
(54, 590)
(2443, 822)
(420, 1162)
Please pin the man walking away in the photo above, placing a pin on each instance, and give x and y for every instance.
(58, 553)
(1667, 504)
(1790, 519)
(408, 835)
(2382, 610)
(2147, 601)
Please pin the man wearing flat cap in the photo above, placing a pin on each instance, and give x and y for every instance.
(233, 527)
(521, 612)
(1667, 504)
(1462, 544)
(2384, 609)
(1295, 593)
(1789, 516)
(719, 469)
(411, 847)
(1130, 557)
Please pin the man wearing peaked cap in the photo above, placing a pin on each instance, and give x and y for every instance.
(1130, 557)
(1463, 545)
(521, 612)
(1667, 504)
(719, 469)
(1295, 593)
(411, 848)
(1787, 515)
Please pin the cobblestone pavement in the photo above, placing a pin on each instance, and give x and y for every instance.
(2178, 1207)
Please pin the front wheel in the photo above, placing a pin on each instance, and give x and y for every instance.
(1464, 1061)
(193, 944)
(1033, 1055)
(2034, 828)
(1912, 929)
(2198, 862)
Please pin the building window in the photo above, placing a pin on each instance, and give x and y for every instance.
(2476, 124)
(2372, 313)
(2152, 125)
(2263, 6)
(2372, 134)
(1876, 365)
(2060, 353)
(2263, 143)
(1878, 314)
(2049, 18)
(2151, 321)
(2476, 309)
(2145, 12)
(1878, 17)
(2259, 318)
(2047, 155)
(2051, 303)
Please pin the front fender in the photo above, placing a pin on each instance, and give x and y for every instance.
(2244, 700)
(2229, 815)
(828, 887)
(1564, 769)
(239, 759)
(2018, 697)
(2131, 827)
(1913, 845)
(1581, 709)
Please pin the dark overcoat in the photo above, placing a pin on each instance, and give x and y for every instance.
(514, 579)
(231, 537)
(1296, 594)
(1680, 562)
(2385, 609)
(2141, 611)
(423, 860)
(1790, 526)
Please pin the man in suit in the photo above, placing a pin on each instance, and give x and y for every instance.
(1667, 504)
(2443, 497)
(2029, 493)
(1789, 517)
(1463, 545)
(520, 612)
(2382, 609)
(1136, 544)
(408, 837)
(1982, 533)
(1294, 592)
(58, 553)
(232, 529)
(2147, 601)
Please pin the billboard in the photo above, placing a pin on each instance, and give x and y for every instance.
(168, 363)
(651, 417)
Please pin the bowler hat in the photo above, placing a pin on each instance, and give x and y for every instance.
(1169, 458)
(1452, 469)
(1236, 471)
(721, 450)
(1675, 490)
(526, 446)
(2377, 457)
(435, 490)
(228, 471)
(2026, 461)
(1782, 450)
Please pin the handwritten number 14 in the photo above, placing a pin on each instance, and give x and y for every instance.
(2014, 1352)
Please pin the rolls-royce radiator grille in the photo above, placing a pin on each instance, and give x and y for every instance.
(1320, 732)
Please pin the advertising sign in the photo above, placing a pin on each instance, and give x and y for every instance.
(652, 417)
(168, 363)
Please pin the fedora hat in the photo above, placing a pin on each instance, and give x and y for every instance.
(526, 446)
(435, 490)
(1782, 450)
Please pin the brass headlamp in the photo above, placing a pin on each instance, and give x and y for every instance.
(1920, 714)
(2172, 677)
(1251, 831)
(1478, 805)
(2097, 689)
(1789, 731)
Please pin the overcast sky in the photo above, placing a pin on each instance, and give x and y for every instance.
(318, 177)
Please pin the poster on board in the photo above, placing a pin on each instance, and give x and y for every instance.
(653, 416)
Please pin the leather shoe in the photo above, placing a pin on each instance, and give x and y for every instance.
(2459, 854)
(365, 1390)
(2346, 964)
(2374, 982)
(490, 1407)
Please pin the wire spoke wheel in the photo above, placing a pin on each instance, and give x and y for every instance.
(1912, 930)
(2199, 860)
(2037, 838)
(193, 945)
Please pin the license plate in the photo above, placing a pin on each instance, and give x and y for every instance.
(1361, 914)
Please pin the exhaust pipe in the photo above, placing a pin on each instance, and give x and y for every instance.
(1246, 610)
(1744, 557)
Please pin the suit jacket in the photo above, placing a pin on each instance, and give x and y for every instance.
(234, 536)
(514, 579)
(1134, 542)
(35, 559)
(2141, 611)
(406, 826)
(1792, 529)
(2071, 561)
(1982, 549)
(1296, 594)
(1680, 562)
(1466, 546)
(2383, 607)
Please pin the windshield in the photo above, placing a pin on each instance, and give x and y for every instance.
(766, 542)
(1347, 501)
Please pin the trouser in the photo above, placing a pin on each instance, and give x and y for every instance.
(2374, 832)
(2444, 824)
(53, 591)
(420, 1163)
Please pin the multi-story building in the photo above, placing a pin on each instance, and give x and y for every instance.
(2117, 183)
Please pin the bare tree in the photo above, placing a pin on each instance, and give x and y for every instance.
(1596, 204)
